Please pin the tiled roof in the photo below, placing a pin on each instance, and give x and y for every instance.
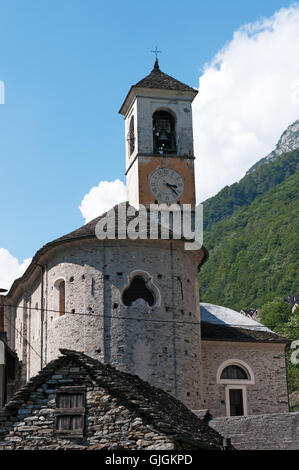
(153, 405)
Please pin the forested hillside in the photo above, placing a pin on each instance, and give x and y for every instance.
(251, 232)
(252, 185)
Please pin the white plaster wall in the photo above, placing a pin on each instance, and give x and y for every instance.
(133, 112)
(183, 112)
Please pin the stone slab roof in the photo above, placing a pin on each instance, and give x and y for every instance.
(88, 231)
(157, 80)
(226, 316)
(162, 81)
(214, 332)
(153, 405)
(275, 431)
(224, 324)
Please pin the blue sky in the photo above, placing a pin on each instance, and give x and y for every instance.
(67, 66)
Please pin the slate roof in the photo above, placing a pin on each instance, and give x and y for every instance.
(226, 316)
(88, 231)
(152, 404)
(158, 80)
(162, 81)
(224, 324)
(213, 332)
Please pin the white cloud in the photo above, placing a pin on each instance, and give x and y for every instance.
(101, 198)
(248, 95)
(10, 268)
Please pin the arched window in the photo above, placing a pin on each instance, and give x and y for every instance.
(131, 136)
(236, 375)
(234, 372)
(140, 287)
(164, 138)
(60, 296)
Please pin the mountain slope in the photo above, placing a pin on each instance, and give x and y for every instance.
(252, 236)
(251, 186)
(288, 141)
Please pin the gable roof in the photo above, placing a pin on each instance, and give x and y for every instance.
(152, 404)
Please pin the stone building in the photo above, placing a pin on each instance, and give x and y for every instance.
(133, 301)
(243, 365)
(77, 402)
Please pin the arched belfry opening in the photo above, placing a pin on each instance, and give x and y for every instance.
(131, 136)
(164, 135)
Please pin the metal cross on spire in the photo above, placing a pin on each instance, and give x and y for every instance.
(156, 52)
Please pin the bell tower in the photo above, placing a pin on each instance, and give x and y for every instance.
(159, 141)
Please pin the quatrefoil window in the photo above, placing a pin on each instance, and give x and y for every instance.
(140, 287)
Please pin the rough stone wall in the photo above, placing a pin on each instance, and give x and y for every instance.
(269, 392)
(137, 339)
(34, 326)
(108, 423)
(279, 431)
(9, 323)
(19, 329)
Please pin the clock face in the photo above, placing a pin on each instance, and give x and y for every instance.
(166, 185)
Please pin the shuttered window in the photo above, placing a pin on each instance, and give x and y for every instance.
(70, 411)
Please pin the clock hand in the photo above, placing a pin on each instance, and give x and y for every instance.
(171, 186)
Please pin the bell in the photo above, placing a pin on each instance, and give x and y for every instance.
(163, 135)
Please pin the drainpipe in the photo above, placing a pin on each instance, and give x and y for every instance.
(42, 268)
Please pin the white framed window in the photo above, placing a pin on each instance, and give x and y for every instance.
(236, 400)
(235, 374)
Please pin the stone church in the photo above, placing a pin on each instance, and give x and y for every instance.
(133, 302)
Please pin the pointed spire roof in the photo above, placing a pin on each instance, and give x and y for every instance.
(160, 81)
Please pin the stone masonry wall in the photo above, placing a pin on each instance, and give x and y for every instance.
(269, 392)
(138, 339)
(109, 424)
(279, 431)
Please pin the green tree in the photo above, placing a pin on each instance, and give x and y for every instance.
(275, 314)
(290, 330)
